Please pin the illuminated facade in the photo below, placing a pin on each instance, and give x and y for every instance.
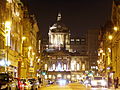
(60, 62)
(59, 35)
(10, 21)
(110, 43)
(116, 37)
(29, 48)
(2, 35)
(18, 32)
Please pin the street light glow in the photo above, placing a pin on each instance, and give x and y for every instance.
(23, 38)
(110, 37)
(29, 47)
(115, 28)
(7, 25)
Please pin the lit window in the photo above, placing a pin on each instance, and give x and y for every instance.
(64, 66)
(78, 66)
(77, 39)
(83, 67)
(53, 66)
(45, 66)
(82, 39)
(72, 39)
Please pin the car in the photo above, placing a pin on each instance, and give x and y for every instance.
(98, 81)
(87, 82)
(26, 83)
(7, 82)
(34, 83)
(62, 82)
(20, 84)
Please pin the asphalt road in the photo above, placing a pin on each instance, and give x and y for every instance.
(72, 86)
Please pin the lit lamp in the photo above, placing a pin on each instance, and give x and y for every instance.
(110, 37)
(115, 28)
(7, 36)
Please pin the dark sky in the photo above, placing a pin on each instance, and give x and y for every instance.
(78, 15)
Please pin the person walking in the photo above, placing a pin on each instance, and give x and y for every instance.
(109, 82)
(40, 81)
(116, 82)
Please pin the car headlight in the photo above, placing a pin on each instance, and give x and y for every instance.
(93, 83)
(62, 82)
(103, 82)
(37, 83)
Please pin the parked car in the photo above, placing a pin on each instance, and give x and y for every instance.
(7, 82)
(20, 84)
(98, 81)
(26, 83)
(34, 84)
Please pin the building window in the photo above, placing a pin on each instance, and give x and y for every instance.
(73, 64)
(72, 39)
(53, 66)
(83, 67)
(77, 40)
(64, 66)
(46, 66)
(78, 66)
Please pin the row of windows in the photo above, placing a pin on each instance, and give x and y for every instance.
(82, 40)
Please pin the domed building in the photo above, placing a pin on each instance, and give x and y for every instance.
(59, 35)
(60, 63)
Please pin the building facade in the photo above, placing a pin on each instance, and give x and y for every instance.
(92, 36)
(110, 42)
(13, 38)
(61, 63)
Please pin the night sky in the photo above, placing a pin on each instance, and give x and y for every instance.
(78, 15)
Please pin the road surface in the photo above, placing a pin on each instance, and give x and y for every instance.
(72, 86)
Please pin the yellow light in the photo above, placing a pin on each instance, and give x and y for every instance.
(109, 50)
(68, 76)
(50, 76)
(46, 66)
(101, 51)
(59, 75)
(110, 37)
(33, 53)
(23, 38)
(10, 1)
(115, 28)
(29, 47)
(7, 25)
(45, 76)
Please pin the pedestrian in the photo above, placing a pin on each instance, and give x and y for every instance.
(116, 82)
(40, 81)
(109, 82)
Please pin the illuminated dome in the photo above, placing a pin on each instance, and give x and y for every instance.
(59, 35)
(59, 26)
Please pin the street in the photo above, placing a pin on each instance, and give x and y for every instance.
(72, 86)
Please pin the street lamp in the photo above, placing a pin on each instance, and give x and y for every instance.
(115, 28)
